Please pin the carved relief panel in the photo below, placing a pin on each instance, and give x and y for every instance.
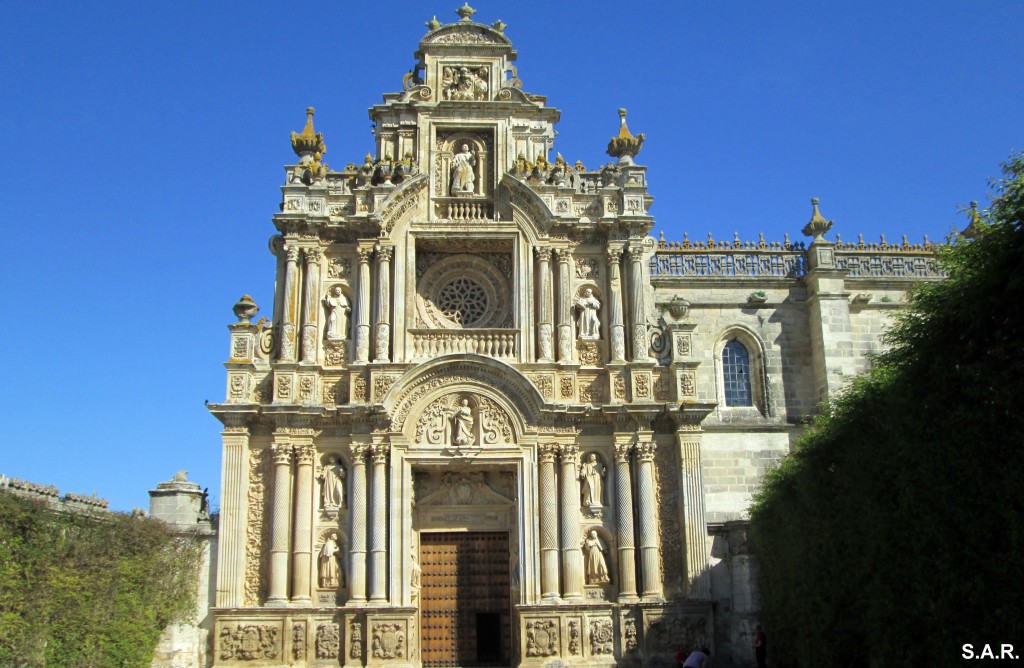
(463, 420)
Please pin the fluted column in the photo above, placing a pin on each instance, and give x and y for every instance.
(650, 564)
(572, 555)
(564, 307)
(548, 521)
(231, 532)
(357, 538)
(624, 522)
(639, 307)
(302, 558)
(310, 304)
(694, 518)
(279, 530)
(363, 307)
(545, 335)
(382, 348)
(379, 526)
(618, 334)
(288, 314)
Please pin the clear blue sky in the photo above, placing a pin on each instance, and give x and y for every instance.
(143, 148)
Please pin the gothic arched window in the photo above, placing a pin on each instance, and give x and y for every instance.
(736, 374)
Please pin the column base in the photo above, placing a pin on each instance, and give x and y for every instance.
(304, 602)
(277, 603)
(628, 598)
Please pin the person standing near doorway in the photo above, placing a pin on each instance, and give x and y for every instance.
(760, 646)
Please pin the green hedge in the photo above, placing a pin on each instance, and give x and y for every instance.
(893, 533)
(89, 591)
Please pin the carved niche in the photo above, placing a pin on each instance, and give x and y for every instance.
(463, 166)
(463, 420)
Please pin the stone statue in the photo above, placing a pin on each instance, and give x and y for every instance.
(337, 315)
(595, 567)
(591, 474)
(462, 428)
(328, 562)
(590, 326)
(332, 478)
(462, 176)
(204, 506)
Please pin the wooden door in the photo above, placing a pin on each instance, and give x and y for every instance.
(465, 606)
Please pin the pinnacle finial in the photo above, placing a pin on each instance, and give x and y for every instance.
(817, 226)
(465, 11)
(499, 25)
(433, 23)
(309, 141)
(975, 224)
(625, 145)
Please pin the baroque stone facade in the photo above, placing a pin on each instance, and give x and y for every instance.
(491, 420)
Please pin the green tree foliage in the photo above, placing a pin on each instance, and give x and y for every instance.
(89, 591)
(893, 533)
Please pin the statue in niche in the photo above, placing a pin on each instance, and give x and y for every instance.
(462, 424)
(590, 326)
(462, 83)
(592, 473)
(328, 562)
(462, 176)
(332, 480)
(337, 308)
(595, 567)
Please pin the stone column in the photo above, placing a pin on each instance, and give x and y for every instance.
(279, 533)
(695, 528)
(548, 522)
(545, 335)
(287, 352)
(379, 526)
(303, 533)
(382, 348)
(233, 506)
(357, 531)
(650, 564)
(363, 307)
(624, 523)
(310, 304)
(618, 334)
(572, 555)
(564, 307)
(639, 306)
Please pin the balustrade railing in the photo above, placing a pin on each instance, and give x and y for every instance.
(465, 209)
(740, 262)
(498, 343)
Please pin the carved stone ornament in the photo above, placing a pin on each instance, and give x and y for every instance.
(687, 385)
(643, 386)
(620, 388)
(299, 642)
(589, 353)
(566, 386)
(355, 641)
(629, 641)
(463, 291)
(328, 642)
(545, 386)
(255, 537)
(574, 637)
(248, 642)
(602, 638)
(388, 641)
(541, 638)
(464, 82)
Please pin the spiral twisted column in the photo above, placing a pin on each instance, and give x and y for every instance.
(650, 562)
(624, 522)
(363, 307)
(357, 531)
(302, 548)
(277, 595)
(382, 338)
(310, 303)
(288, 313)
(572, 555)
(617, 329)
(379, 526)
(547, 453)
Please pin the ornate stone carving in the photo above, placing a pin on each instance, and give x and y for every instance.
(566, 387)
(544, 386)
(642, 389)
(388, 641)
(620, 388)
(337, 309)
(602, 638)
(239, 348)
(592, 474)
(595, 565)
(687, 386)
(659, 346)
(284, 387)
(463, 291)
(589, 324)
(661, 392)
(494, 423)
(359, 389)
(381, 385)
(339, 267)
(237, 386)
(589, 353)
(666, 492)
(592, 392)
(328, 642)
(256, 534)
(541, 638)
(248, 642)
(574, 636)
(299, 642)
(306, 385)
(334, 353)
(332, 481)
(629, 642)
(461, 82)
(587, 268)
(355, 640)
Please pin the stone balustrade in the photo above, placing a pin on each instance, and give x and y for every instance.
(465, 209)
(499, 343)
(703, 263)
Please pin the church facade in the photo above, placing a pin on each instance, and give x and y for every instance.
(491, 421)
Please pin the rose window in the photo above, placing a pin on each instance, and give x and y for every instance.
(463, 301)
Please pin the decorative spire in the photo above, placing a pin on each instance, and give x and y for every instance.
(975, 224)
(817, 226)
(465, 11)
(433, 24)
(308, 142)
(625, 146)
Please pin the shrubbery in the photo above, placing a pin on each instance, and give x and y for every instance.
(892, 535)
(88, 591)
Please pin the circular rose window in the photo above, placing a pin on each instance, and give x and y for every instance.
(463, 301)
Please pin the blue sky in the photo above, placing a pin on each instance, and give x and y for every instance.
(144, 145)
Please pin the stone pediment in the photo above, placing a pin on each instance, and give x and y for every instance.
(465, 32)
(464, 489)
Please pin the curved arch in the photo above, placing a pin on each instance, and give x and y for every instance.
(491, 378)
(395, 209)
(479, 30)
(756, 351)
(528, 209)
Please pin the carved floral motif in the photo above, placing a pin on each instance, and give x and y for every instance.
(574, 637)
(299, 642)
(256, 538)
(602, 638)
(566, 387)
(667, 502)
(589, 355)
(629, 635)
(643, 386)
(620, 388)
(328, 642)
(541, 638)
(661, 389)
(355, 640)
(687, 385)
(339, 267)
(381, 385)
(544, 386)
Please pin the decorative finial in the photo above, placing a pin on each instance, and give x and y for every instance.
(308, 142)
(817, 226)
(433, 23)
(465, 11)
(499, 25)
(625, 145)
(974, 226)
(245, 309)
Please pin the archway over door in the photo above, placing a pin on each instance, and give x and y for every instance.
(465, 606)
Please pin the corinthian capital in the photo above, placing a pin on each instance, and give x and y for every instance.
(645, 451)
(543, 253)
(291, 252)
(385, 253)
(622, 452)
(304, 455)
(379, 452)
(313, 255)
(636, 254)
(547, 452)
(563, 254)
(365, 254)
(281, 453)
